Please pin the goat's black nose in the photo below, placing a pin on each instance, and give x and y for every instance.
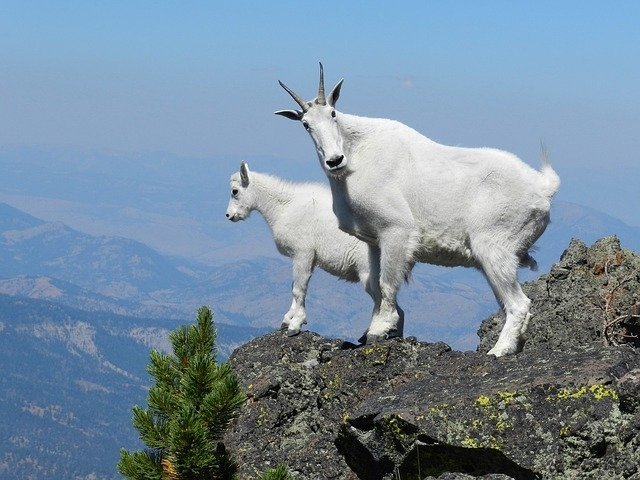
(335, 161)
(228, 215)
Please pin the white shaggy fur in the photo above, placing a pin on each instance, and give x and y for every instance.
(414, 200)
(304, 229)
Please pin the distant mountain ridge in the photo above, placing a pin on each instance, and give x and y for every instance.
(69, 294)
(101, 263)
(13, 219)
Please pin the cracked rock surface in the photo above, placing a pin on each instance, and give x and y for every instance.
(568, 406)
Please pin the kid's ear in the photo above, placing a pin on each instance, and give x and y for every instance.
(244, 174)
(290, 114)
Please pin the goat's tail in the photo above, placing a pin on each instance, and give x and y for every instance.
(550, 179)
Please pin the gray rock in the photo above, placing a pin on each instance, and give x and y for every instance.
(568, 406)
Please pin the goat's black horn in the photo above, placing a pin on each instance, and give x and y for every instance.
(321, 98)
(303, 105)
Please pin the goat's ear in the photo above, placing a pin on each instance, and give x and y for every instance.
(290, 114)
(335, 93)
(244, 174)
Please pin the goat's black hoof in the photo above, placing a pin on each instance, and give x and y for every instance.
(371, 339)
(394, 334)
(293, 332)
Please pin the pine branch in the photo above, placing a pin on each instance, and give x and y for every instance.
(140, 465)
(152, 432)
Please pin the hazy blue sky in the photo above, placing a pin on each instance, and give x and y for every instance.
(200, 78)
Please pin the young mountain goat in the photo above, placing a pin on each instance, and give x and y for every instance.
(414, 200)
(304, 229)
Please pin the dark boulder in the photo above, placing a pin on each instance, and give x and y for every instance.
(566, 407)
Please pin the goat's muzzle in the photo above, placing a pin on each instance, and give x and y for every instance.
(335, 161)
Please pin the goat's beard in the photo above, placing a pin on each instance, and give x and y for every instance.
(339, 174)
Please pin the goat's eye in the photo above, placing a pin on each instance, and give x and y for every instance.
(234, 192)
(333, 113)
(305, 125)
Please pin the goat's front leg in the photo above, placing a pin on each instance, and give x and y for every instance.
(297, 314)
(372, 287)
(395, 261)
(289, 315)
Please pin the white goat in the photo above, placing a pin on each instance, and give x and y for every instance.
(414, 200)
(306, 230)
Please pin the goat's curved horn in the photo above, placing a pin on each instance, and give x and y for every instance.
(299, 101)
(321, 100)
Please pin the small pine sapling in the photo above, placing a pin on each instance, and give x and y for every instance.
(191, 404)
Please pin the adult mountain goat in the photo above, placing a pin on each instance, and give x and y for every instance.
(414, 200)
(306, 230)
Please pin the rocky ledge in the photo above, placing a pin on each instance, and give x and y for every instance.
(567, 407)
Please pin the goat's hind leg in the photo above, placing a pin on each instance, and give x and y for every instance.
(500, 268)
(297, 314)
